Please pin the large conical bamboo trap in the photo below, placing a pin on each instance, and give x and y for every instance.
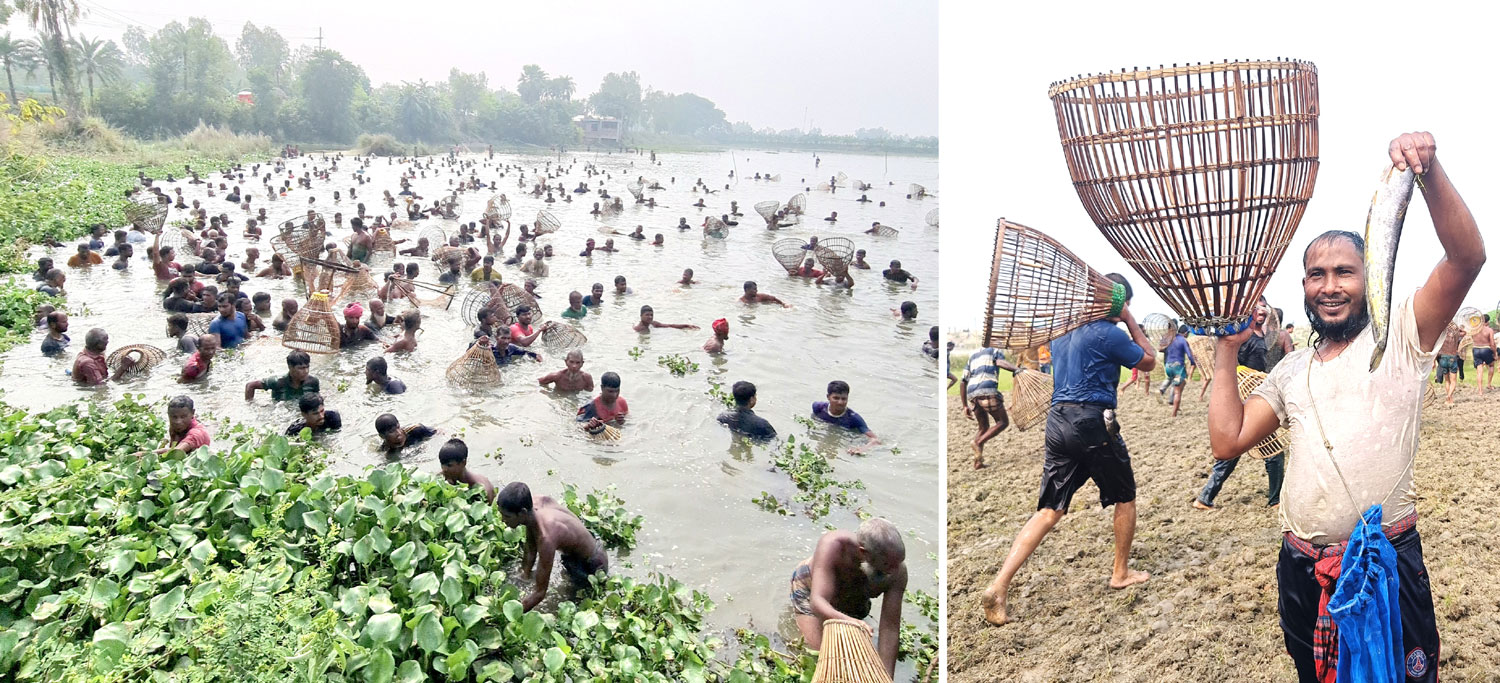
(797, 205)
(1030, 399)
(359, 287)
(1155, 326)
(1205, 349)
(480, 299)
(841, 179)
(636, 188)
(562, 338)
(516, 296)
(1275, 443)
(932, 218)
(1198, 175)
(860, 185)
(304, 237)
(442, 254)
(314, 329)
(148, 211)
(767, 209)
(498, 208)
(181, 241)
(145, 356)
(835, 254)
(546, 223)
(789, 253)
(383, 245)
(476, 368)
(1040, 291)
(715, 227)
(916, 191)
(848, 655)
(435, 237)
(883, 230)
(198, 323)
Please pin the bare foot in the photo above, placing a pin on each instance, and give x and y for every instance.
(978, 456)
(994, 607)
(1199, 505)
(1132, 578)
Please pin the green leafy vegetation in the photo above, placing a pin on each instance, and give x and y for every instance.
(720, 394)
(251, 563)
(817, 490)
(18, 306)
(677, 364)
(636, 352)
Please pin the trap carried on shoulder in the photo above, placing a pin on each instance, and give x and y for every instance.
(1039, 290)
(180, 240)
(148, 211)
(515, 296)
(145, 356)
(498, 208)
(1275, 443)
(476, 368)
(479, 299)
(1156, 326)
(848, 655)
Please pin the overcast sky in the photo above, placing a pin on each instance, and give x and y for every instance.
(1002, 155)
(777, 63)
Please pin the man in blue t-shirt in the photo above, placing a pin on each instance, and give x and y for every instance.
(1083, 443)
(231, 325)
(836, 411)
(1174, 353)
(980, 394)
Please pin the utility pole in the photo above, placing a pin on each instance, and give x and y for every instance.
(320, 37)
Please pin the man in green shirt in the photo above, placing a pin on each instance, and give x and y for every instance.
(290, 386)
(575, 307)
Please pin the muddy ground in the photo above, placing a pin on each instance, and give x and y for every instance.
(1209, 610)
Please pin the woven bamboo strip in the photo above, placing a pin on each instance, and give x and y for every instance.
(1031, 398)
(848, 655)
(1039, 290)
(1276, 443)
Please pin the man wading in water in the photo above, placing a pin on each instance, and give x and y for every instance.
(1083, 442)
(551, 530)
(844, 574)
(1353, 432)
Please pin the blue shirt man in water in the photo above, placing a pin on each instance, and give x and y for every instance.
(1083, 442)
(836, 411)
(231, 325)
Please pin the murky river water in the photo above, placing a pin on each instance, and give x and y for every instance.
(676, 465)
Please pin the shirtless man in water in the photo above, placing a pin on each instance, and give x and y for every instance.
(1484, 354)
(753, 296)
(570, 378)
(648, 321)
(550, 530)
(846, 572)
(454, 459)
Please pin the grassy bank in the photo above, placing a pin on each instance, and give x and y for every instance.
(250, 563)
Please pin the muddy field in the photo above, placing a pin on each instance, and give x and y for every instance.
(1209, 610)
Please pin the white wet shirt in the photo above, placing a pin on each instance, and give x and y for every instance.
(1372, 420)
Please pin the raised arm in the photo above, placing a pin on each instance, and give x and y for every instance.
(1234, 425)
(1463, 246)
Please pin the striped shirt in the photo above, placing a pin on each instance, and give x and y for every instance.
(982, 376)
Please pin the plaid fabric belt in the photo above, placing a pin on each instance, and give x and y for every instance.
(1318, 552)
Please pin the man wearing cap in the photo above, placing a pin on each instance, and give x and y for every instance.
(352, 332)
(715, 344)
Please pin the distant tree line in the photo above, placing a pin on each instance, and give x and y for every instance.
(164, 83)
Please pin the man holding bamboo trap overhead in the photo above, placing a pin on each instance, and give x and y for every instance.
(1355, 599)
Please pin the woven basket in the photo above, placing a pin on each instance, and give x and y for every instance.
(198, 323)
(841, 179)
(435, 237)
(515, 296)
(1030, 398)
(498, 208)
(767, 209)
(916, 191)
(442, 254)
(884, 230)
(1204, 350)
(359, 287)
(835, 254)
(1040, 291)
(860, 185)
(304, 238)
(932, 218)
(562, 338)
(636, 188)
(147, 210)
(848, 655)
(789, 253)
(314, 329)
(1275, 443)
(146, 357)
(797, 205)
(1198, 175)
(280, 246)
(822, 187)
(479, 299)
(546, 223)
(1155, 326)
(383, 244)
(476, 368)
(715, 227)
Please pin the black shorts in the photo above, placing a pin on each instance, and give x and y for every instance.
(1080, 448)
(1298, 604)
(580, 569)
(1484, 357)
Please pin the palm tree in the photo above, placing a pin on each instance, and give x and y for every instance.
(14, 53)
(561, 88)
(53, 18)
(100, 59)
(533, 83)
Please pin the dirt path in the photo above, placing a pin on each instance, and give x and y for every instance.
(1209, 610)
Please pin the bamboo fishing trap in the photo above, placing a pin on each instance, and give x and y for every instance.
(916, 191)
(1275, 443)
(848, 655)
(637, 189)
(181, 241)
(797, 205)
(767, 209)
(1205, 350)
(1155, 327)
(147, 210)
(835, 254)
(713, 227)
(498, 208)
(1040, 291)
(1197, 174)
(883, 230)
(789, 253)
(435, 237)
(480, 299)
(932, 218)
(561, 338)
(516, 296)
(546, 223)
(476, 368)
(144, 355)
(1030, 399)
(314, 329)
(359, 286)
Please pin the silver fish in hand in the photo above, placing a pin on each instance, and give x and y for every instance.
(1382, 237)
